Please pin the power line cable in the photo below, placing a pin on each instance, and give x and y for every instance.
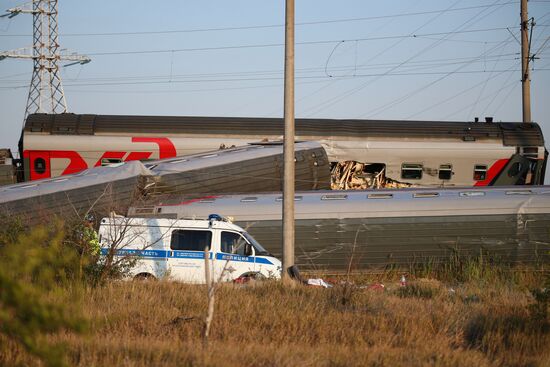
(441, 102)
(432, 19)
(416, 65)
(401, 99)
(444, 73)
(318, 42)
(255, 27)
(482, 90)
(498, 92)
(511, 85)
(326, 104)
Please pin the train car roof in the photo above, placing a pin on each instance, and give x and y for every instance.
(511, 133)
(412, 202)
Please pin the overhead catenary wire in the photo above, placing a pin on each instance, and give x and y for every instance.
(403, 98)
(327, 104)
(415, 65)
(264, 26)
(314, 42)
(444, 73)
(454, 96)
(386, 49)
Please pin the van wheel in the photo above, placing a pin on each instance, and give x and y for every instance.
(142, 277)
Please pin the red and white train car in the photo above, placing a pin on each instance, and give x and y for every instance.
(423, 153)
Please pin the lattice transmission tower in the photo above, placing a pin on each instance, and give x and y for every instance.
(46, 90)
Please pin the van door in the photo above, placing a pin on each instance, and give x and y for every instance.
(186, 254)
(236, 256)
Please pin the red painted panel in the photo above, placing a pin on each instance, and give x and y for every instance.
(493, 172)
(166, 147)
(34, 155)
(76, 163)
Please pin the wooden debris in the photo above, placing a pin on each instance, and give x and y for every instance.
(352, 175)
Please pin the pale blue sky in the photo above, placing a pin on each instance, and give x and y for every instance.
(354, 59)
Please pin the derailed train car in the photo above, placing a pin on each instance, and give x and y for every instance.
(378, 228)
(115, 187)
(402, 153)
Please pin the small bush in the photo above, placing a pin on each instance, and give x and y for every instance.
(39, 292)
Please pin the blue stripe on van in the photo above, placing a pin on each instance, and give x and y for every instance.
(185, 255)
(132, 252)
(248, 259)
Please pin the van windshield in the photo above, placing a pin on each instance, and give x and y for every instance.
(259, 248)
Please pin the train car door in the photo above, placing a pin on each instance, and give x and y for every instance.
(39, 164)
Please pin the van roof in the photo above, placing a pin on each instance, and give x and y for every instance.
(166, 222)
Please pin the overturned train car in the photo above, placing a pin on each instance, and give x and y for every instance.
(372, 229)
(101, 190)
(387, 153)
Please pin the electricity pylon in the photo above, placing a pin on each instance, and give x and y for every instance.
(46, 91)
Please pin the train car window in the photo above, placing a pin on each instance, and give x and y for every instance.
(515, 170)
(207, 200)
(480, 172)
(40, 165)
(178, 161)
(472, 193)
(379, 196)
(411, 171)
(109, 161)
(296, 198)
(519, 192)
(249, 199)
(334, 197)
(425, 194)
(445, 172)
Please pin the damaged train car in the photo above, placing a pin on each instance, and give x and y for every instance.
(115, 187)
(372, 229)
(363, 153)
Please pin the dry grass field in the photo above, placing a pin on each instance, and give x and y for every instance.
(159, 323)
(461, 312)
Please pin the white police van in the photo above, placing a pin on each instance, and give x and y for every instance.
(176, 248)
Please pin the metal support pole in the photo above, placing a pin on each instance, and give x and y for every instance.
(525, 58)
(288, 151)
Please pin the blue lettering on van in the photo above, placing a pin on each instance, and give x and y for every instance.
(190, 254)
(249, 259)
(185, 255)
(133, 252)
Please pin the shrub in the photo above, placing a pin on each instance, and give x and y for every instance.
(39, 292)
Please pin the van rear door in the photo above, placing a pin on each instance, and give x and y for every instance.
(186, 254)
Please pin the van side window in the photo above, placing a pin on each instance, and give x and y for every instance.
(186, 240)
(234, 243)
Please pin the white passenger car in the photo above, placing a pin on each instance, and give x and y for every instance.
(176, 248)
